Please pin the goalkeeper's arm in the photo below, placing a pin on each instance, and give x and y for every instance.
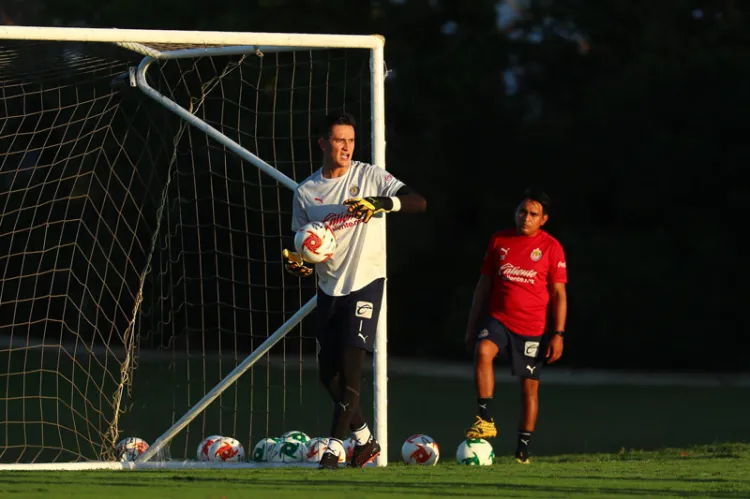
(405, 200)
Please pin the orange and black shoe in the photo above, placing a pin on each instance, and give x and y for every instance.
(366, 453)
(482, 429)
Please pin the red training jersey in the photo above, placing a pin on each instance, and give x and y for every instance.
(522, 269)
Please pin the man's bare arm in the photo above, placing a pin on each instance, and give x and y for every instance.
(560, 311)
(559, 305)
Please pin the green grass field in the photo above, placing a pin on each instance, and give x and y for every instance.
(719, 472)
(591, 441)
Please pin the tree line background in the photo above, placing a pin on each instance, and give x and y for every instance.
(628, 113)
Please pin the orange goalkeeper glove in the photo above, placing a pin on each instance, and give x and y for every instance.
(294, 264)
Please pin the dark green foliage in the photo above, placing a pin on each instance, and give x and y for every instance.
(637, 138)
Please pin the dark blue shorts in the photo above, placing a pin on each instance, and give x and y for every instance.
(526, 353)
(350, 320)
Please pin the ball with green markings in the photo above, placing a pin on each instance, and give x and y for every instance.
(475, 452)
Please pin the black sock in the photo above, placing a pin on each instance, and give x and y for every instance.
(333, 385)
(485, 408)
(351, 379)
(524, 439)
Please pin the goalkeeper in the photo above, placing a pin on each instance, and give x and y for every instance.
(351, 197)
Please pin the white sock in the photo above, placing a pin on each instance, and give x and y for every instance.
(333, 450)
(362, 435)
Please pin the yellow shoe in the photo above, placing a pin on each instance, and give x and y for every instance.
(523, 461)
(482, 429)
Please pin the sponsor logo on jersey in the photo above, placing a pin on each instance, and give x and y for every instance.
(338, 221)
(510, 272)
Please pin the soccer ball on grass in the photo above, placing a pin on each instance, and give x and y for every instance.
(420, 449)
(264, 450)
(289, 450)
(226, 450)
(204, 446)
(300, 436)
(475, 452)
(130, 448)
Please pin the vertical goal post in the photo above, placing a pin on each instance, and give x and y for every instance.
(162, 45)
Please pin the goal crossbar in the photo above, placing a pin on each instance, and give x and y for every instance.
(217, 38)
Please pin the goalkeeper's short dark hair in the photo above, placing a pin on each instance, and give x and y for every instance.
(337, 117)
(537, 194)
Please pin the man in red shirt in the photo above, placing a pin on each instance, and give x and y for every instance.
(524, 270)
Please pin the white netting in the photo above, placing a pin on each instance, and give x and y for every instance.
(139, 260)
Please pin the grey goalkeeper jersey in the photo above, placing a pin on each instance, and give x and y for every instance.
(359, 256)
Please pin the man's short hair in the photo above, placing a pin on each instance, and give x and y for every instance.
(337, 117)
(537, 194)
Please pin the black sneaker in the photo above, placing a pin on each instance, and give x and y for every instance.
(329, 461)
(366, 453)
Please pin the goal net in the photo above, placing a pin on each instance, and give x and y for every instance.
(145, 197)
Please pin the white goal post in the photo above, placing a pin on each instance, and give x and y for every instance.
(99, 235)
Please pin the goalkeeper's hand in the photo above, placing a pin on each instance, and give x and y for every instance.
(294, 264)
(364, 208)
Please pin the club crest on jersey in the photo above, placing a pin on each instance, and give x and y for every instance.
(536, 254)
(354, 190)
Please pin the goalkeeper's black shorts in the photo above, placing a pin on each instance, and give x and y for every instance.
(350, 320)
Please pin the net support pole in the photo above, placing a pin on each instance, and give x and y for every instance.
(225, 383)
(380, 359)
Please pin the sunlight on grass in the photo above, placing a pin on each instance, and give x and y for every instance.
(720, 470)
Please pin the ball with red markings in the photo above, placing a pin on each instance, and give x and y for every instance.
(420, 449)
(130, 448)
(204, 446)
(226, 450)
(315, 242)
